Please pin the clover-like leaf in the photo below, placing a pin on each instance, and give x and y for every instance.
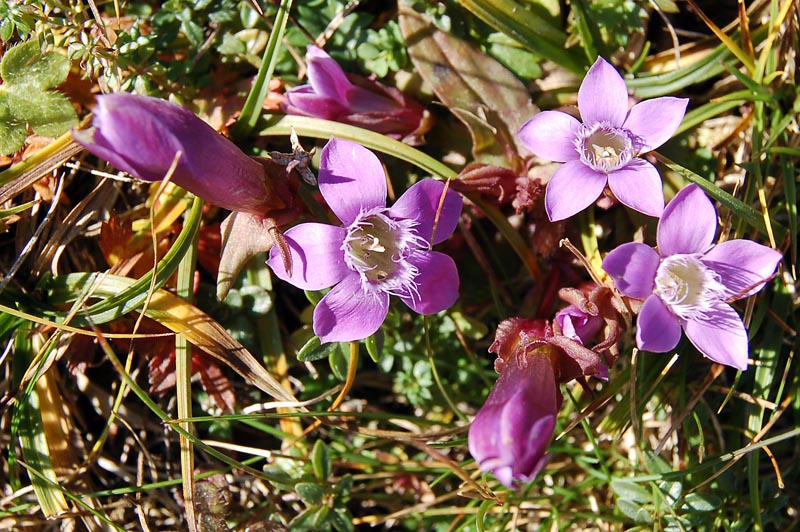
(12, 130)
(25, 64)
(26, 96)
(48, 113)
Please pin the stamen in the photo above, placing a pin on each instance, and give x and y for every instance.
(687, 286)
(604, 148)
(377, 247)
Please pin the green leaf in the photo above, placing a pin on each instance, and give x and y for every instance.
(702, 502)
(49, 113)
(338, 361)
(374, 345)
(314, 349)
(341, 520)
(25, 64)
(310, 493)
(321, 461)
(630, 491)
(12, 130)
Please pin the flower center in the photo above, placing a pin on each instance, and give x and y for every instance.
(378, 247)
(687, 286)
(604, 148)
(367, 246)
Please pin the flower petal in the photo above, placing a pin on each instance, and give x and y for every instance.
(742, 265)
(688, 223)
(513, 429)
(351, 179)
(657, 329)
(654, 121)
(317, 258)
(437, 282)
(347, 313)
(551, 135)
(325, 75)
(633, 267)
(638, 185)
(421, 202)
(303, 101)
(603, 96)
(572, 188)
(720, 336)
(142, 135)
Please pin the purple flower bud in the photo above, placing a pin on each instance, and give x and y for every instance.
(333, 95)
(577, 324)
(510, 434)
(141, 135)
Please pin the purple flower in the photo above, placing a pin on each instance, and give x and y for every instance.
(333, 95)
(578, 324)
(510, 434)
(378, 252)
(604, 149)
(141, 135)
(688, 283)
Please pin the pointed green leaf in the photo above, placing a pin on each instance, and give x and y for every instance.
(321, 461)
(310, 493)
(314, 349)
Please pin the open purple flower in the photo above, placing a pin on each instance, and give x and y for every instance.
(605, 148)
(141, 135)
(378, 252)
(333, 95)
(688, 284)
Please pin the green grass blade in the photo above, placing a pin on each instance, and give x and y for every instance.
(251, 111)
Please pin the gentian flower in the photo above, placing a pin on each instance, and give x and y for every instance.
(378, 252)
(141, 135)
(578, 324)
(687, 284)
(333, 95)
(605, 148)
(510, 434)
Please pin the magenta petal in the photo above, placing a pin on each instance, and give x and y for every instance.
(347, 313)
(688, 223)
(572, 188)
(633, 267)
(638, 185)
(510, 434)
(303, 101)
(351, 179)
(325, 75)
(317, 257)
(603, 96)
(551, 135)
(654, 121)
(657, 329)
(437, 282)
(720, 335)
(421, 203)
(142, 136)
(742, 265)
